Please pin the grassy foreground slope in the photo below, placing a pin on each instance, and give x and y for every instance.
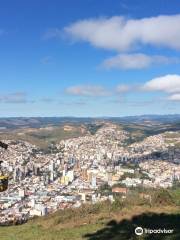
(103, 221)
(117, 226)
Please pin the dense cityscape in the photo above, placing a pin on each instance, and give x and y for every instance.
(72, 171)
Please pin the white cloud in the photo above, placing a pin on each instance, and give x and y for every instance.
(18, 97)
(136, 61)
(121, 34)
(167, 83)
(87, 90)
(123, 88)
(174, 97)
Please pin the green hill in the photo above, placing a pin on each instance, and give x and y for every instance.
(106, 221)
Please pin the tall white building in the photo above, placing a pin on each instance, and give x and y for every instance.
(70, 174)
(93, 181)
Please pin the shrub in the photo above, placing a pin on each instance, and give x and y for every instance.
(162, 197)
(117, 204)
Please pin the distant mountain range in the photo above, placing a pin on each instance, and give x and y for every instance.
(36, 122)
(171, 118)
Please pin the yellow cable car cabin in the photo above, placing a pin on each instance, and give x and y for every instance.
(3, 183)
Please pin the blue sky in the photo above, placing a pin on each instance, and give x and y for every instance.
(89, 57)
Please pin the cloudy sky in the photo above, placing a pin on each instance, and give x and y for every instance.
(89, 57)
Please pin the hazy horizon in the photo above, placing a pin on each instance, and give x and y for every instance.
(122, 116)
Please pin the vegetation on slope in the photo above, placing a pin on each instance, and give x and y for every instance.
(104, 220)
(42, 137)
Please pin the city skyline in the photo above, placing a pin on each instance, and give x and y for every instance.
(87, 58)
